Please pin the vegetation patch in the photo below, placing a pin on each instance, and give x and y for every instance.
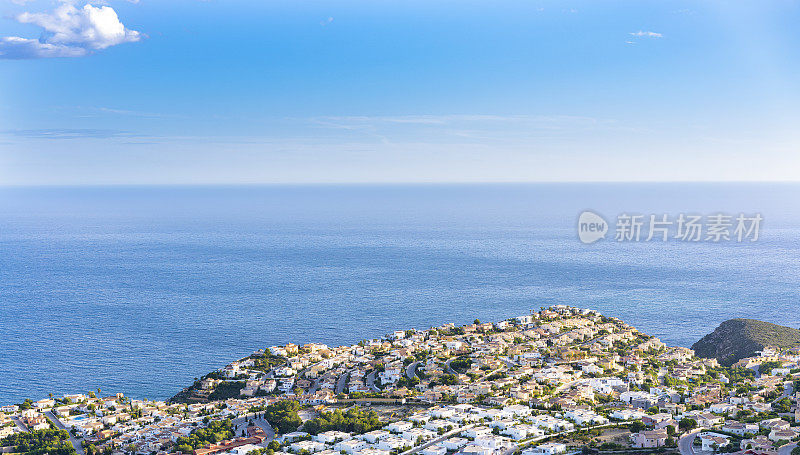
(283, 416)
(353, 420)
(217, 430)
(40, 442)
(737, 339)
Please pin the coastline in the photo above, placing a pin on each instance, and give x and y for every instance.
(551, 374)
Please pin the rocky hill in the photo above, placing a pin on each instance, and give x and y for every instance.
(736, 339)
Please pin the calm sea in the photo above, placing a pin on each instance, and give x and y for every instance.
(139, 290)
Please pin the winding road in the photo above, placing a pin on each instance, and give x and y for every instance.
(21, 426)
(686, 443)
(411, 370)
(241, 423)
(72, 439)
(370, 382)
(341, 383)
(437, 440)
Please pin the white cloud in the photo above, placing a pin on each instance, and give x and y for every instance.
(14, 47)
(69, 32)
(643, 34)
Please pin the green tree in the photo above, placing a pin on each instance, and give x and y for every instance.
(636, 426)
(214, 432)
(225, 390)
(283, 416)
(687, 424)
(354, 420)
(27, 404)
(782, 405)
(40, 442)
(767, 367)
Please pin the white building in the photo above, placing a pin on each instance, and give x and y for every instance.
(518, 432)
(713, 441)
(455, 443)
(435, 449)
(351, 446)
(551, 448)
(476, 432)
(331, 437)
(392, 443)
(399, 426)
(374, 436)
(311, 446)
(417, 434)
(493, 442)
(390, 375)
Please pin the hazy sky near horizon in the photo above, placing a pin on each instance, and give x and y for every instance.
(244, 91)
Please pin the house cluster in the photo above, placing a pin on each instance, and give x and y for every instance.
(526, 384)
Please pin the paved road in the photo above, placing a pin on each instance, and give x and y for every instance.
(509, 363)
(587, 343)
(241, 423)
(72, 439)
(411, 370)
(788, 388)
(315, 385)
(685, 443)
(787, 449)
(437, 440)
(788, 391)
(341, 383)
(267, 429)
(370, 381)
(513, 447)
(567, 385)
(21, 426)
(529, 442)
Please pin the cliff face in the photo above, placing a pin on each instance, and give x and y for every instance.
(736, 339)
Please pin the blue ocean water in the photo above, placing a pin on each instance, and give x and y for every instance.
(141, 289)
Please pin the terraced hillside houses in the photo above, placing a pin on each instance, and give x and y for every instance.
(557, 380)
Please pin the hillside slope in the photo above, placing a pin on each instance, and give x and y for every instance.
(736, 339)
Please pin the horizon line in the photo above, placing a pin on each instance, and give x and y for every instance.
(398, 183)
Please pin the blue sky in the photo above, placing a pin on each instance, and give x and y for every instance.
(199, 92)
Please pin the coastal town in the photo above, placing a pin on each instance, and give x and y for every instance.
(560, 380)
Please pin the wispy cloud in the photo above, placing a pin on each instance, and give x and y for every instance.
(356, 122)
(131, 113)
(646, 34)
(470, 127)
(72, 133)
(68, 31)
